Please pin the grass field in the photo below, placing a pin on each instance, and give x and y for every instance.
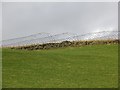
(72, 67)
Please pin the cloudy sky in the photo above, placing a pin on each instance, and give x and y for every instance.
(22, 19)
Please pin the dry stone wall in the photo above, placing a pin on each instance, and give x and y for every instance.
(67, 44)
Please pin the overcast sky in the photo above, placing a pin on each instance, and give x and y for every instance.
(22, 19)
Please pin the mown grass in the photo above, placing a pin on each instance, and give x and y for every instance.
(72, 67)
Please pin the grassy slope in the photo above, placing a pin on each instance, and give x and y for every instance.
(82, 67)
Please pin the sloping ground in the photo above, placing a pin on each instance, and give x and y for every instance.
(21, 40)
(73, 67)
(43, 38)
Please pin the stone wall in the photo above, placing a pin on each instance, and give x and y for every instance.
(66, 44)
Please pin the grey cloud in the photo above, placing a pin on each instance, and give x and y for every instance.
(21, 19)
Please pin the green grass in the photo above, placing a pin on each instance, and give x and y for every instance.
(72, 67)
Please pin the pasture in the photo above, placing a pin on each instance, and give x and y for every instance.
(71, 67)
